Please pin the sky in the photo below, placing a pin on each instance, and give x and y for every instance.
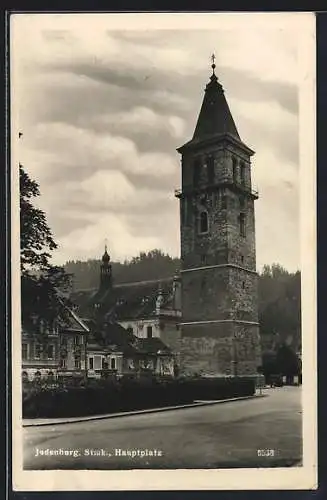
(103, 104)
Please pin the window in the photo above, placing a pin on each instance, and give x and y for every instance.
(24, 351)
(91, 363)
(37, 375)
(76, 340)
(196, 172)
(77, 362)
(242, 259)
(63, 363)
(211, 169)
(113, 363)
(243, 285)
(149, 332)
(203, 222)
(37, 351)
(224, 202)
(97, 362)
(50, 351)
(243, 173)
(25, 376)
(242, 225)
(104, 364)
(234, 170)
(203, 259)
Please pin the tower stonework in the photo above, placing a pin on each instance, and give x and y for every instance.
(219, 327)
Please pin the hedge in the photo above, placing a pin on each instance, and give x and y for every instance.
(127, 395)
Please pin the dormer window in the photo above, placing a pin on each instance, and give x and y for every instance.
(203, 222)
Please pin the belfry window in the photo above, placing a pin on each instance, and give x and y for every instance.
(234, 170)
(242, 173)
(196, 172)
(203, 222)
(211, 169)
(242, 224)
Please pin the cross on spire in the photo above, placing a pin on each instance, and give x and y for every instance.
(213, 58)
(106, 244)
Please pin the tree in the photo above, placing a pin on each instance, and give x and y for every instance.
(44, 287)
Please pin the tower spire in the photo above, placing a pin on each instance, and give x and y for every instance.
(215, 118)
(105, 268)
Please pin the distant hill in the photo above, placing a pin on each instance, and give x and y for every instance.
(279, 291)
(152, 265)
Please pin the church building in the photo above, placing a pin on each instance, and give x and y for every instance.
(219, 324)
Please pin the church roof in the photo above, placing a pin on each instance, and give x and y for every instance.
(215, 118)
(113, 337)
(126, 301)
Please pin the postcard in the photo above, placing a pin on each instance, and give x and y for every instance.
(163, 251)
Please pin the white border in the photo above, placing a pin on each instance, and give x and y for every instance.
(304, 477)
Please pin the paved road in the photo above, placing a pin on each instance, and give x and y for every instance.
(216, 436)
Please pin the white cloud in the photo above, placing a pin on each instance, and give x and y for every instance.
(97, 163)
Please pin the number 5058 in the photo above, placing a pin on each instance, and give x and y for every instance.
(266, 453)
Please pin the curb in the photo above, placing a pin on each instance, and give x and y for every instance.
(140, 412)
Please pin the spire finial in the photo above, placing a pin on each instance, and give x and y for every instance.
(213, 58)
(106, 244)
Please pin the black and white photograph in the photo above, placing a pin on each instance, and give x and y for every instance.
(163, 251)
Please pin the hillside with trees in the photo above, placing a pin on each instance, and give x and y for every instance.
(152, 265)
(279, 291)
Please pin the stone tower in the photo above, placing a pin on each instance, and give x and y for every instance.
(219, 328)
(105, 271)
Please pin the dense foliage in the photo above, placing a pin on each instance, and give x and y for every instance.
(43, 286)
(279, 291)
(146, 266)
(106, 396)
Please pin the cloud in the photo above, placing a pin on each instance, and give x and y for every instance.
(103, 114)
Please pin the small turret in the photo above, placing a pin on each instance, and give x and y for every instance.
(105, 270)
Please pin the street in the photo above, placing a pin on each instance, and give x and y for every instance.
(262, 432)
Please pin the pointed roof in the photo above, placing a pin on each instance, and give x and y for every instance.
(215, 118)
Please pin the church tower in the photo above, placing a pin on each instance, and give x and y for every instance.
(105, 271)
(219, 327)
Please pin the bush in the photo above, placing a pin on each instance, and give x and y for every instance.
(126, 394)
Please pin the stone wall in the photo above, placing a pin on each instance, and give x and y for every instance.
(219, 293)
(220, 349)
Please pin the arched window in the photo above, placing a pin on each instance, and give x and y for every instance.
(203, 222)
(113, 363)
(242, 225)
(234, 170)
(25, 376)
(242, 173)
(196, 171)
(211, 169)
(37, 376)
